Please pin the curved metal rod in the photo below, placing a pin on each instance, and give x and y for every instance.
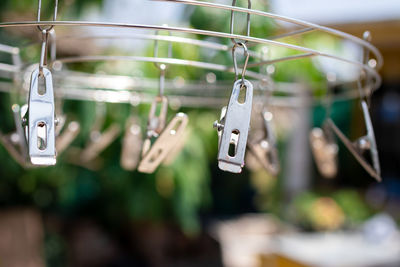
(368, 69)
(338, 33)
(172, 61)
(167, 38)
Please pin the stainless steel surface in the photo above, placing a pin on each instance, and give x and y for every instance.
(235, 130)
(41, 110)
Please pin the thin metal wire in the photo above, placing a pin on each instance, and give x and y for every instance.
(172, 61)
(54, 15)
(335, 32)
(235, 65)
(374, 74)
(233, 21)
(43, 53)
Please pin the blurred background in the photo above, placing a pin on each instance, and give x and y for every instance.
(190, 213)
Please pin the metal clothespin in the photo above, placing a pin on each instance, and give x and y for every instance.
(234, 126)
(40, 119)
(154, 155)
(362, 144)
(131, 144)
(325, 151)
(323, 146)
(166, 138)
(367, 142)
(264, 149)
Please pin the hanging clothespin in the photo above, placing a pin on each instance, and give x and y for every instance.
(153, 155)
(40, 119)
(264, 149)
(364, 143)
(234, 126)
(262, 141)
(161, 139)
(132, 142)
(323, 146)
(325, 152)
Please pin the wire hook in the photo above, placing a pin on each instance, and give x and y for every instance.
(233, 21)
(43, 53)
(246, 54)
(54, 15)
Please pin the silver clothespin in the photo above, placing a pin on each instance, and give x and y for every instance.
(154, 155)
(325, 152)
(367, 142)
(323, 145)
(166, 138)
(234, 126)
(40, 118)
(362, 144)
(265, 149)
(131, 144)
(41, 122)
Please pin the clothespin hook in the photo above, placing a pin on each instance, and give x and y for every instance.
(235, 66)
(54, 15)
(233, 21)
(43, 53)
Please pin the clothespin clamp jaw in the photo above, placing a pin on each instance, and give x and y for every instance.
(265, 149)
(325, 151)
(154, 154)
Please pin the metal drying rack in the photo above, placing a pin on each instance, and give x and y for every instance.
(104, 88)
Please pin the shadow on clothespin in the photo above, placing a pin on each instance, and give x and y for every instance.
(89, 157)
(367, 142)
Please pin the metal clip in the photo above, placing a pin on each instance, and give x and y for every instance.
(325, 152)
(265, 150)
(155, 154)
(156, 123)
(41, 122)
(362, 144)
(234, 129)
(132, 144)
